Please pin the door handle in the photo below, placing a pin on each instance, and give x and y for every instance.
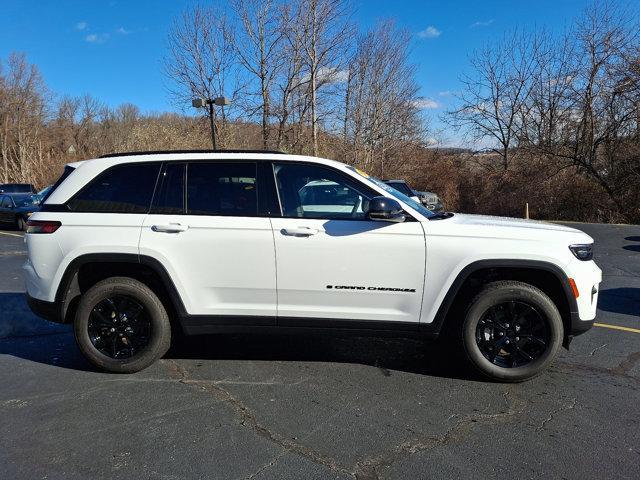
(170, 228)
(299, 231)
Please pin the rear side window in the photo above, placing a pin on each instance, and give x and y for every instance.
(121, 189)
(226, 189)
(67, 171)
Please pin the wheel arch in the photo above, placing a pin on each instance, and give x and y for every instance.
(86, 270)
(546, 276)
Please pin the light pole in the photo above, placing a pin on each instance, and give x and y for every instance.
(200, 102)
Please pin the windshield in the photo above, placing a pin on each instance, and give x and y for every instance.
(16, 188)
(395, 193)
(28, 201)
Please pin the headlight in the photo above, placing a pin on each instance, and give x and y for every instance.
(582, 252)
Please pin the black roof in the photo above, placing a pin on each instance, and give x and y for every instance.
(155, 152)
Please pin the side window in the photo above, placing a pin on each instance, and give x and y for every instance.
(121, 189)
(226, 189)
(312, 191)
(169, 198)
(6, 202)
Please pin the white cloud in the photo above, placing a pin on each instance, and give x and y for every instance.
(97, 37)
(328, 75)
(123, 31)
(484, 23)
(81, 25)
(429, 32)
(425, 103)
(338, 76)
(445, 93)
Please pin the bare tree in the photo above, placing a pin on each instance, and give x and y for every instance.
(597, 117)
(493, 99)
(288, 80)
(381, 103)
(22, 114)
(323, 30)
(259, 49)
(201, 60)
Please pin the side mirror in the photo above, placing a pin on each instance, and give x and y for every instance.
(385, 209)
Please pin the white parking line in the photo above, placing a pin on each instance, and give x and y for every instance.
(12, 234)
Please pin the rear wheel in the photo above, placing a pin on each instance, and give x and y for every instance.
(121, 326)
(21, 224)
(512, 331)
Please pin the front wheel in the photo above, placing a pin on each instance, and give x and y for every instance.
(121, 326)
(21, 224)
(512, 331)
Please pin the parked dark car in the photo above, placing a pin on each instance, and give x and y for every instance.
(17, 188)
(16, 209)
(431, 201)
(428, 199)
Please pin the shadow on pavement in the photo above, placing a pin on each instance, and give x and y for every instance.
(56, 349)
(16, 320)
(632, 248)
(433, 358)
(635, 238)
(623, 300)
(407, 355)
(24, 335)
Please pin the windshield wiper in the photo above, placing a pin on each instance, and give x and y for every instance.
(441, 216)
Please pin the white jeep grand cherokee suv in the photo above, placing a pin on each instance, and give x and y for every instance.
(130, 247)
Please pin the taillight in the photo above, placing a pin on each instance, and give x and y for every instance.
(42, 226)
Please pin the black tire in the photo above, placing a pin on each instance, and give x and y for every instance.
(150, 332)
(516, 356)
(21, 224)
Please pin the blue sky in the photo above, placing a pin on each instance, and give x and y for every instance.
(112, 49)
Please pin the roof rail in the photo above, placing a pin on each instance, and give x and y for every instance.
(154, 152)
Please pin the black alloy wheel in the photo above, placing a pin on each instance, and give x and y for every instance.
(119, 327)
(511, 331)
(512, 334)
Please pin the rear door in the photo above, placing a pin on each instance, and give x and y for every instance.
(114, 204)
(206, 229)
(334, 263)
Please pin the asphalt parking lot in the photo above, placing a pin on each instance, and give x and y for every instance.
(310, 407)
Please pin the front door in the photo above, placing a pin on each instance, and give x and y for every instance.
(6, 214)
(334, 263)
(218, 251)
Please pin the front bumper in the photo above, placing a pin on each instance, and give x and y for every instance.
(587, 277)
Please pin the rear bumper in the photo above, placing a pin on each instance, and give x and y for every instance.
(44, 309)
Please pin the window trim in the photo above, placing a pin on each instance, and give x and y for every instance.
(67, 204)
